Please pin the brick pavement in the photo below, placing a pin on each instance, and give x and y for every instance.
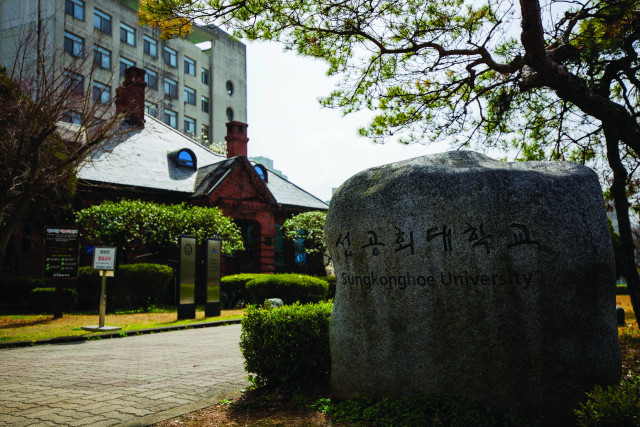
(129, 381)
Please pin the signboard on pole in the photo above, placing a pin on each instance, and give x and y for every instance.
(61, 252)
(187, 285)
(104, 258)
(212, 306)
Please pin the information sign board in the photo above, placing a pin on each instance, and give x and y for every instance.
(104, 258)
(61, 252)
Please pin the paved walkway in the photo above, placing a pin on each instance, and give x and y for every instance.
(129, 381)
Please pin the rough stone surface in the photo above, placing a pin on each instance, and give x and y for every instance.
(460, 274)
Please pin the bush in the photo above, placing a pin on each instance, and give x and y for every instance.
(233, 289)
(611, 406)
(89, 286)
(288, 287)
(16, 290)
(141, 285)
(417, 409)
(43, 300)
(331, 281)
(287, 346)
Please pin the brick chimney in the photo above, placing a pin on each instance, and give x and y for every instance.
(130, 96)
(236, 139)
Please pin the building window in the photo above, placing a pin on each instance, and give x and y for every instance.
(102, 21)
(205, 76)
(205, 104)
(151, 78)
(278, 245)
(301, 255)
(205, 133)
(189, 96)
(73, 44)
(102, 57)
(74, 81)
(74, 8)
(101, 93)
(72, 117)
(170, 57)
(189, 125)
(186, 159)
(229, 88)
(229, 114)
(171, 118)
(262, 172)
(170, 88)
(151, 109)
(150, 46)
(127, 34)
(189, 66)
(124, 64)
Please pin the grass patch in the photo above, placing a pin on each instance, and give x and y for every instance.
(39, 327)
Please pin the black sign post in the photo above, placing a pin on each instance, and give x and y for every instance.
(187, 276)
(60, 258)
(212, 306)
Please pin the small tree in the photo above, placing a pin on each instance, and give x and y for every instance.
(134, 226)
(310, 226)
(48, 124)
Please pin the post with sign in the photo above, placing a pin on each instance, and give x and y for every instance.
(60, 258)
(212, 306)
(187, 276)
(104, 260)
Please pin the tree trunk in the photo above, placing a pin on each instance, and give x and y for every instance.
(618, 191)
(11, 223)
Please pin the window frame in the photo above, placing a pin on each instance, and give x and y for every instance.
(150, 42)
(148, 79)
(73, 40)
(131, 64)
(204, 102)
(171, 114)
(127, 31)
(168, 85)
(102, 53)
(75, 80)
(230, 114)
(103, 17)
(189, 95)
(205, 77)
(151, 109)
(72, 6)
(192, 122)
(103, 89)
(172, 54)
(189, 64)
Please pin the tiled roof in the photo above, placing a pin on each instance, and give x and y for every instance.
(142, 159)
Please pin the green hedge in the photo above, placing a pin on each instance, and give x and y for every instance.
(288, 287)
(89, 285)
(233, 289)
(141, 285)
(287, 346)
(331, 281)
(43, 300)
(16, 290)
(612, 406)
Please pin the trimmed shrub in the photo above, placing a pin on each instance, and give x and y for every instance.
(89, 286)
(43, 300)
(611, 406)
(287, 346)
(233, 289)
(16, 290)
(331, 281)
(288, 287)
(141, 285)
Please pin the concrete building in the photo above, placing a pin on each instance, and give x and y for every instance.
(195, 84)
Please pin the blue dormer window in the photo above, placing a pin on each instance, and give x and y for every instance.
(262, 172)
(184, 158)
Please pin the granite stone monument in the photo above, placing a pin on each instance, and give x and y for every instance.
(460, 274)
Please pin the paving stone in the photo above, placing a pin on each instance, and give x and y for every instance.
(110, 382)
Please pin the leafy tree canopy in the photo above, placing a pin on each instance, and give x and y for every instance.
(310, 225)
(137, 226)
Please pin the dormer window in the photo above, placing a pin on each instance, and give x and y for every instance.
(262, 172)
(184, 158)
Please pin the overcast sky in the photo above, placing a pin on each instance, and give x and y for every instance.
(315, 147)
